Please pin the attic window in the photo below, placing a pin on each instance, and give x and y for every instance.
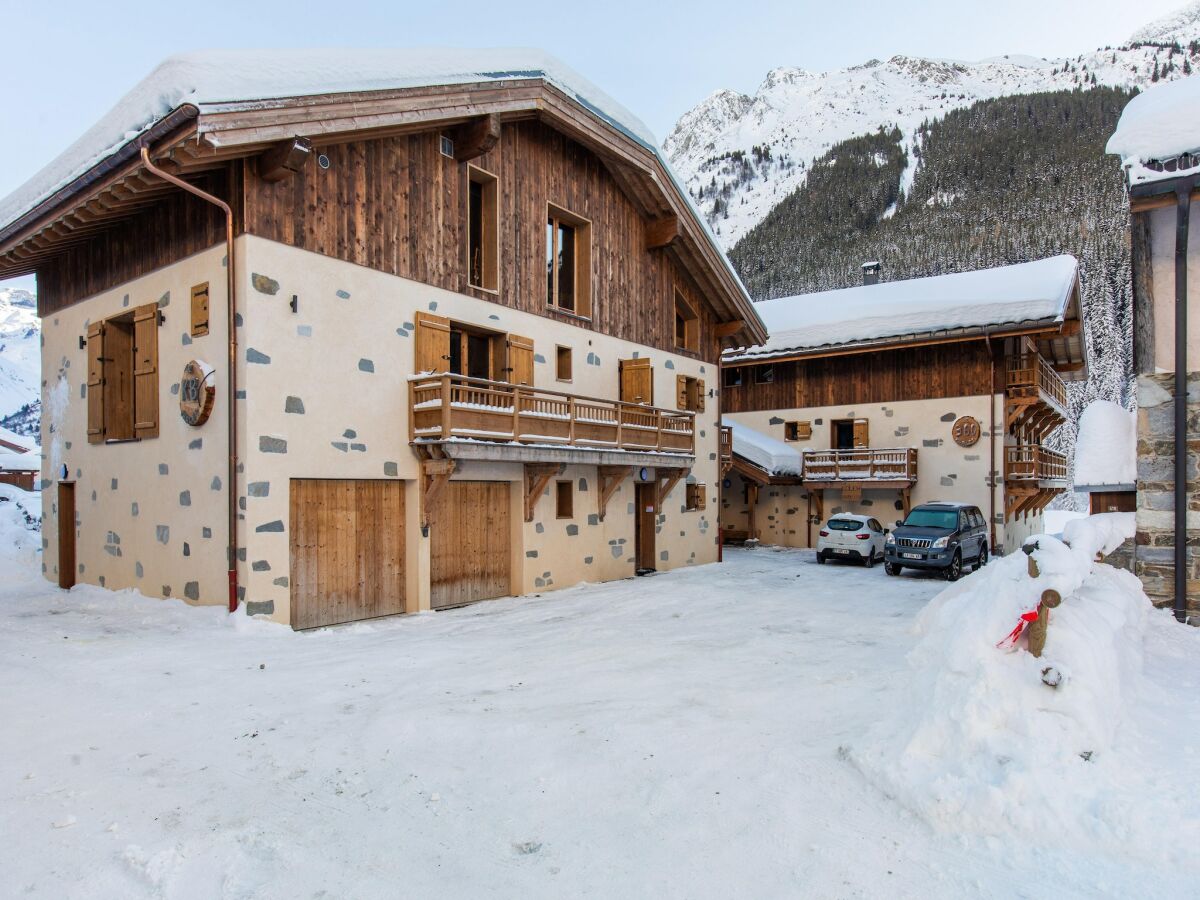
(732, 376)
(687, 324)
(447, 146)
(482, 230)
(764, 374)
(568, 262)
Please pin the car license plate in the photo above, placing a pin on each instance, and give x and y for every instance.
(912, 556)
(842, 551)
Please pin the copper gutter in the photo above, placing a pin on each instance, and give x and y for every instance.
(231, 380)
(992, 443)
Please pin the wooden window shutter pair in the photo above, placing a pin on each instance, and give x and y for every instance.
(689, 393)
(145, 371)
(122, 377)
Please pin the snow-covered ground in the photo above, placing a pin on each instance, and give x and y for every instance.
(693, 734)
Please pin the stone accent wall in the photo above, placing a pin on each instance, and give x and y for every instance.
(1154, 558)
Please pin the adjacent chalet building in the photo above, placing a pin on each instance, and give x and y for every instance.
(1106, 457)
(390, 330)
(875, 398)
(1158, 140)
(20, 460)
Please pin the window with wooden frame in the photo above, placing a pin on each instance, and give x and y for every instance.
(200, 310)
(689, 393)
(764, 374)
(483, 229)
(562, 363)
(687, 324)
(564, 499)
(797, 431)
(568, 262)
(696, 497)
(122, 384)
(732, 376)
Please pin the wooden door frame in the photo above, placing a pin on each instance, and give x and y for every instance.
(650, 488)
(66, 535)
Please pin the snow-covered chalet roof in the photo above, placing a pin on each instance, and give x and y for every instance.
(17, 443)
(1106, 448)
(773, 456)
(1156, 129)
(895, 311)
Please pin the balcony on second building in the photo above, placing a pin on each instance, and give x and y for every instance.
(476, 418)
(1035, 399)
(870, 467)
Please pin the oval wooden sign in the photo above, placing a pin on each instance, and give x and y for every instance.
(197, 393)
(966, 431)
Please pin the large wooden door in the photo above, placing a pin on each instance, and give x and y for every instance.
(645, 518)
(66, 534)
(347, 550)
(637, 381)
(470, 543)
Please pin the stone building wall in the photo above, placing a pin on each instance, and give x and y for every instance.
(1155, 554)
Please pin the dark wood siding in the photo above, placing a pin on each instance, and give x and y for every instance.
(176, 227)
(398, 205)
(919, 373)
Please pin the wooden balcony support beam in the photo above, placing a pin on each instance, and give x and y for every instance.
(661, 232)
(610, 479)
(475, 138)
(728, 329)
(284, 159)
(667, 479)
(537, 477)
(434, 475)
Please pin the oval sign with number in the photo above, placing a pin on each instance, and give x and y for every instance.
(966, 431)
(197, 392)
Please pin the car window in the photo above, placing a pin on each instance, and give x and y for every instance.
(845, 524)
(875, 526)
(933, 518)
(964, 520)
(978, 517)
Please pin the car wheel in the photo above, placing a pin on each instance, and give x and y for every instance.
(983, 557)
(821, 558)
(954, 570)
(869, 562)
(892, 568)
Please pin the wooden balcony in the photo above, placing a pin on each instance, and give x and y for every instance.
(1035, 396)
(453, 408)
(888, 467)
(1032, 463)
(726, 449)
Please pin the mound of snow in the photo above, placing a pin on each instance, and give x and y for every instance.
(984, 746)
(1106, 447)
(1158, 124)
(20, 527)
(765, 451)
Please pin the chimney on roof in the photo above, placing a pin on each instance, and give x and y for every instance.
(870, 272)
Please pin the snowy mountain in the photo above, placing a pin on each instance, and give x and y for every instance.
(740, 155)
(20, 351)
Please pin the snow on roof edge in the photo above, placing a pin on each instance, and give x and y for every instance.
(769, 454)
(1158, 125)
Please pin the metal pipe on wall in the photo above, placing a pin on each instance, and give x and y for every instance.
(1183, 207)
(231, 377)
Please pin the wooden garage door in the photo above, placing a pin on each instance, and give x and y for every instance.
(347, 559)
(469, 543)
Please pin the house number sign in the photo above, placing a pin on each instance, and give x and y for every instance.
(966, 431)
(197, 393)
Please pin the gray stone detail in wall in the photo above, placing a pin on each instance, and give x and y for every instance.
(124, 302)
(774, 420)
(971, 457)
(185, 498)
(196, 444)
(260, 565)
(162, 533)
(946, 481)
(539, 582)
(401, 332)
(593, 519)
(359, 448)
(260, 608)
(350, 434)
(242, 503)
(538, 358)
(818, 421)
(215, 484)
(629, 509)
(165, 300)
(949, 417)
(433, 306)
(391, 469)
(166, 590)
(888, 413)
(93, 496)
(112, 485)
(257, 356)
(572, 530)
(270, 527)
(241, 554)
(293, 405)
(587, 560)
(340, 445)
(365, 365)
(304, 331)
(593, 359)
(83, 392)
(934, 442)
(617, 551)
(191, 590)
(669, 364)
(237, 320)
(531, 554)
(259, 488)
(664, 556)
(539, 527)
(205, 532)
(138, 571)
(281, 581)
(239, 394)
(344, 295)
(263, 284)
(101, 579)
(583, 486)
(186, 339)
(187, 549)
(267, 444)
(410, 326)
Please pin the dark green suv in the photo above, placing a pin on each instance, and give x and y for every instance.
(939, 536)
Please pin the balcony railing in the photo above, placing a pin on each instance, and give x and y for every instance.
(726, 445)
(1030, 375)
(1031, 462)
(447, 406)
(889, 464)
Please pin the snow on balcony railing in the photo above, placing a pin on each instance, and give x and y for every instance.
(865, 464)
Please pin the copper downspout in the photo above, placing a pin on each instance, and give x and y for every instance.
(987, 338)
(231, 281)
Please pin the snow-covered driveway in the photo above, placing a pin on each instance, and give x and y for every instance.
(672, 736)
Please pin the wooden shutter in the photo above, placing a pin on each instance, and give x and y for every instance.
(200, 310)
(519, 365)
(118, 379)
(681, 392)
(95, 383)
(433, 343)
(700, 398)
(145, 371)
(862, 438)
(637, 381)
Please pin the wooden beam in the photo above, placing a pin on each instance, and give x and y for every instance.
(476, 137)
(610, 479)
(728, 329)
(434, 475)
(1162, 201)
(537, 476)
(667, 479)
(284, 159)
(661, 232)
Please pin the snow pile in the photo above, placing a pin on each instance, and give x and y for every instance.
(764, 451)
(1106, 446)
(983, 745)
(20, 527)
(1160, 124)
(1028, 292)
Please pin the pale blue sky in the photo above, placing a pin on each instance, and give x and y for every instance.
(66, 63)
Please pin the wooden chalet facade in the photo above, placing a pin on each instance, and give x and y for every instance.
(476, 330)
(957, 408)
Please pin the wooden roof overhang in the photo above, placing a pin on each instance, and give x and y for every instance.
(1061, 341)
(191, 141)
(753, 472)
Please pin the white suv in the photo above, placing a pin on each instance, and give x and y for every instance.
(849, 536)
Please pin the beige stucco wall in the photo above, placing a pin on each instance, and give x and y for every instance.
(1162, 248)
(151, 514)
(945, 471)
(345, 357)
